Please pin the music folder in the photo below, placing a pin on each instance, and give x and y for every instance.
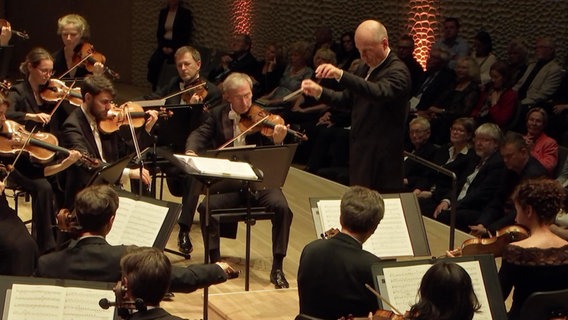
(398, 283)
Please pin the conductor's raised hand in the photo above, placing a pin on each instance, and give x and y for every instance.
(330, 71)
(311, 88)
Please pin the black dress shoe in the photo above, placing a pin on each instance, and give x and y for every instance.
(184, 243)
(278, 279)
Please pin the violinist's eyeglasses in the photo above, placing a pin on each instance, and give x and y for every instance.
(48, 72)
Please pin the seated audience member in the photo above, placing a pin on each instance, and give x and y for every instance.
(445, 293)
(416, 174)
(456, 102)
(322, 293)
(92, 258)
(296, 70)
(269, 70)
(480, 180)
(483, 55)
(18, 250)
(451, 41)
(216, 130)
(499, 212)
(437, 80)
(323, 39)
(558, 124)
(542, 78)
(145, 275)
(543, 148)
(539, 262)
(405, 52)
(498, 100)
(517, 59)
(240, 60)
(347, 51)
(456, 156)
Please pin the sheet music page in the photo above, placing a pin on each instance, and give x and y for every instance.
(391, 239)
(136, 223)
(83, 303)
(33, 302)
(218, 167)
(403, 282)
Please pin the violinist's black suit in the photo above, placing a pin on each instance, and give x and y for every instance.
(154, 314)
(332, 276)
(94, 259)
(78, 135)
(216, 130)
(378, 118)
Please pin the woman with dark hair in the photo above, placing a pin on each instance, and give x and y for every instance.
(446, 293)
(483, 55)
(498, 101)
(539, 262)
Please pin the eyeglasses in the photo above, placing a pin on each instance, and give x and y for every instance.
(454, 129)
(48, 72)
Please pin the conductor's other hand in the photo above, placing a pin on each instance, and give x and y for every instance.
(311, 88)
(329, 71)
(135, 174)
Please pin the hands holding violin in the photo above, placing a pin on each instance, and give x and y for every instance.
(42, 118)
(145, 178)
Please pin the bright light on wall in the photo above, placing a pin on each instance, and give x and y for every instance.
(423, 26)
(242, 16)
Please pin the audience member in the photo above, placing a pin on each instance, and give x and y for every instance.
(518, 59)
(92, 258)
(175, 25)
(499, 211)
(405, 52)
(542, 147)
(558, 124)
(452, 42)
(145, 275)
(322, 293)
(437, 80)
(498, 100)
(347, 51)
(269, 70)
(483, 55)
(539, 262)
(240, 60)
(378, 94)
(323, 39)
(416, 174)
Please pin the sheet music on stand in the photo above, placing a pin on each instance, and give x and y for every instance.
(398, 283)
(40, 298)
(214, 167)
(142, 221)
(400, 233)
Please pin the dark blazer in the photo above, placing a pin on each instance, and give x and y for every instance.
(433, 86)
(181, 31)
(213, 98)
(416, 173)
(60, 65)
(378, 117)
(154, 314)
(244, 63)
(93, 259)
(332, 277)
(460, 166)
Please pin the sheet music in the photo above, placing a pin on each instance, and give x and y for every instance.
(30, 302)
(391, 239)
(150, 103)
(218, 167)
(136, 223)
(403, 282)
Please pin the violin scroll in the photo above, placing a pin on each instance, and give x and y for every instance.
(67, 222)
(86, 55)
(330, 233)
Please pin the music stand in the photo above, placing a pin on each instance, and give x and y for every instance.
(110, 174)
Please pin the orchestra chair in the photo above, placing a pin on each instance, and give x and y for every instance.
(546, 305)
(16, 192)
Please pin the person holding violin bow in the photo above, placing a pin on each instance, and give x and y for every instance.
(83, 131)
(220, 126)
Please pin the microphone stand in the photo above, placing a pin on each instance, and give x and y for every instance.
(453, 194)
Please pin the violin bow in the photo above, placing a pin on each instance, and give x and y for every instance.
(382, 299)
(242, 133)
(185, 90)
(60, 101)
(75, 66)
(19, 154)
(136, 146)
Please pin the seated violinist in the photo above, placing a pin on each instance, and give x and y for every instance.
(81, 131)
(221, 125)
(28, 173)
(74, 31)
(333, 272)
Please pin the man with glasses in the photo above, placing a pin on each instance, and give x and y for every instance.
(81, 132)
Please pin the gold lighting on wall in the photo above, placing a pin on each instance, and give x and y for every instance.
(423, 26)
(242, 16)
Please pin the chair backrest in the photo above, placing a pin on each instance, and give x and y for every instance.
(545, 305)
(562, 155)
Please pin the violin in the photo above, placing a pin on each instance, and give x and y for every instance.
(118, 116)
(198, 87)
(330, 233)
(86, 55)
(494, 245)
(41, 146)
(249, 122)
(22, 34)
(121, 303)
(55, 90)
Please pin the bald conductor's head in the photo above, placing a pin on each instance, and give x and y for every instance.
(371, 39)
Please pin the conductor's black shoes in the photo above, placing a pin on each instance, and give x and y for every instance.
(278, 279)
(184, 243)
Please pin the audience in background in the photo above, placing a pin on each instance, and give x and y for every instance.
(405, 51)
(483, 55)
(451, 41)
(542, 147)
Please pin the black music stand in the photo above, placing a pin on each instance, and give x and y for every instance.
(111, 173)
